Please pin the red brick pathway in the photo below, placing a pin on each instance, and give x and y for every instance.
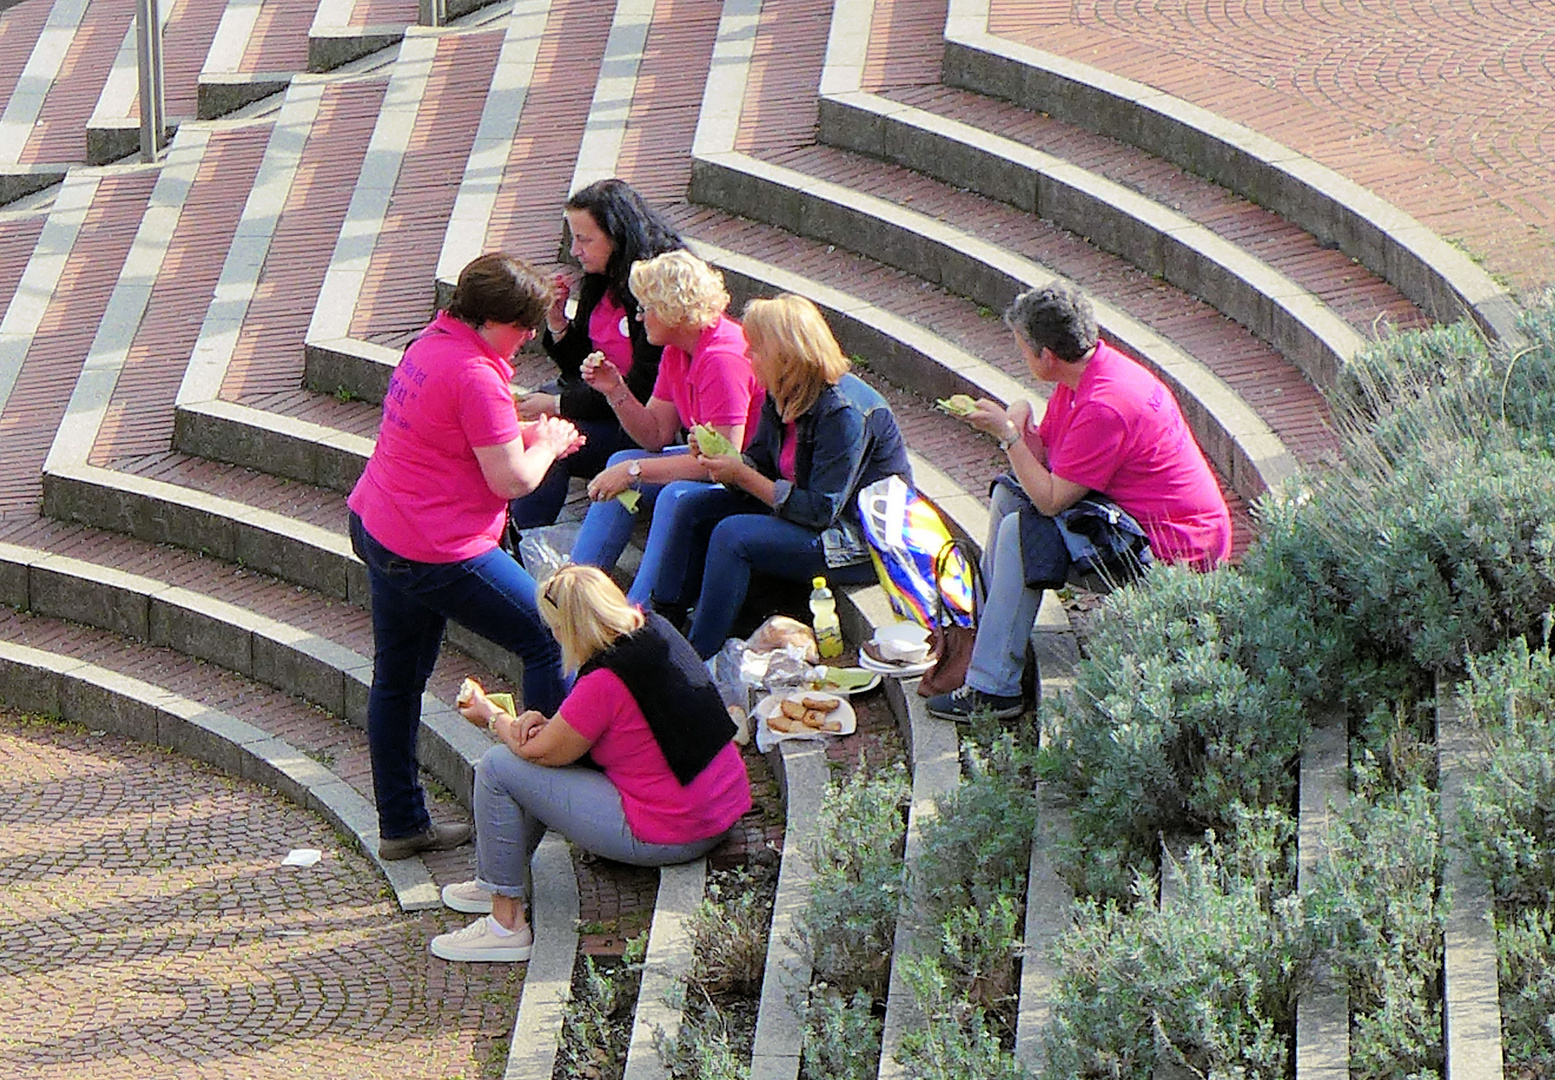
(1441, 106)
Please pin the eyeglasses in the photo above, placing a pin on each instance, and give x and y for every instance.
(550, 587)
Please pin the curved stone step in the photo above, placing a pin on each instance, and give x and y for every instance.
(852, 216)
(537, 1032)
(1227, 425)
(1156, 238)
(257, 629)
(1440, 279)
(60, 685)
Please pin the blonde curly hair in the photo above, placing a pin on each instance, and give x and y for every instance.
(680, 289)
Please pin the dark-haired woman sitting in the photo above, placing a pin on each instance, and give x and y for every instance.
(612, 228)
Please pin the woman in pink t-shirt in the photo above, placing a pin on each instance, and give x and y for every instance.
(1111, 428)
(612, 228)
(668, 780)
(704, 377)
(426, 516)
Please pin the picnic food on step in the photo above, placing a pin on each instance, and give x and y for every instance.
(957, 404)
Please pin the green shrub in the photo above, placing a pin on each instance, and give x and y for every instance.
(978, 848)
(842, 1036)
(1507, 820)
(1373, 909)
(850, 922)
(1508, 809)
(1525, 944)
(1449, 551)
(728, 933)
(597, 1028)
(1176, 715)
(955, 1041)
(1204, 981)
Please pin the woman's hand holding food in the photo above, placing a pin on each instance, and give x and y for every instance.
(556, 434)
(603, 375)
(556, 315)
(728, 469)
(610, 482)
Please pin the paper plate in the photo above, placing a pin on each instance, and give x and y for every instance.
(900, 671)
(848, 691)
(768, 705)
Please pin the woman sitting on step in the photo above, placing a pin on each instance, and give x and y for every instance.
(612, 228)
(426, 518)
(666, 784)
(704, 378)
(788, 506)
(1111, 429)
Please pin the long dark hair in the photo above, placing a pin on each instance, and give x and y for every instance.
(636, 230)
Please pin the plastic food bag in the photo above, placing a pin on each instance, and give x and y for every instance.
(538, 556)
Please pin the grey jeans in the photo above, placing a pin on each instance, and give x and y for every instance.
(517, 800)
(1009, 609)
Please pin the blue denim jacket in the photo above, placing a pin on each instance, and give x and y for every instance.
(849, 438)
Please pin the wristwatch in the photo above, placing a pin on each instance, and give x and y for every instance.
(1011, 439)
(634, 469)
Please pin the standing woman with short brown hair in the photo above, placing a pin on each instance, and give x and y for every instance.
(426, 517)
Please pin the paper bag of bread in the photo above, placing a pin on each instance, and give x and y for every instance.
(779, 632)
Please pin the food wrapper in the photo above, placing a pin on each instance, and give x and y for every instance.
(956, 404)
(629, 499)
(712, 443)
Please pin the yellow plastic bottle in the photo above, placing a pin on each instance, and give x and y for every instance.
(823, 616)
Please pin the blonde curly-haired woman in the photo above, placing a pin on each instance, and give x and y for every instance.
(668, 782)
(704, 377)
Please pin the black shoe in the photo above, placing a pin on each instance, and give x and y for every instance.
(436, 838)
(962, 704)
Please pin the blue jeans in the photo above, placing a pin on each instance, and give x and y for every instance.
(743, 542)
(683, 516)
(542, 505)
(1009, 609)
(411, 603)
(517, 800)
(608, 525)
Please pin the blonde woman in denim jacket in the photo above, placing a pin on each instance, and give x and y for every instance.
(787, 505)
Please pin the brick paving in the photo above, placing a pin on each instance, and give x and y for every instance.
(1440, 106)
(182, 949)
(148, 929)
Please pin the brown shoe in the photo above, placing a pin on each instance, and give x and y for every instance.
(436, 838)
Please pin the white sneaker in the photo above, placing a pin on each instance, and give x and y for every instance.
(478, 942)
(467, 897)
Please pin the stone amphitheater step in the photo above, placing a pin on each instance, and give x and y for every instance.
(1442, 280)
(987, 251)
(1313, 303)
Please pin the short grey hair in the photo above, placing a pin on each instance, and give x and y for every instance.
(1057, 317)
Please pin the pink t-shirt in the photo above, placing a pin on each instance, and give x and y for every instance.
(1121, 434)
(658, 810)
(423, 495)
(788, 453)
(610, 333)
(715, 384)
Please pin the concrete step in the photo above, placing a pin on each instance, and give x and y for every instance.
(1442, 280)
(1212, 248)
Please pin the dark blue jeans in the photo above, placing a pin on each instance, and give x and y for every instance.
(542, 505)
(411, 603)
(743, 542)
